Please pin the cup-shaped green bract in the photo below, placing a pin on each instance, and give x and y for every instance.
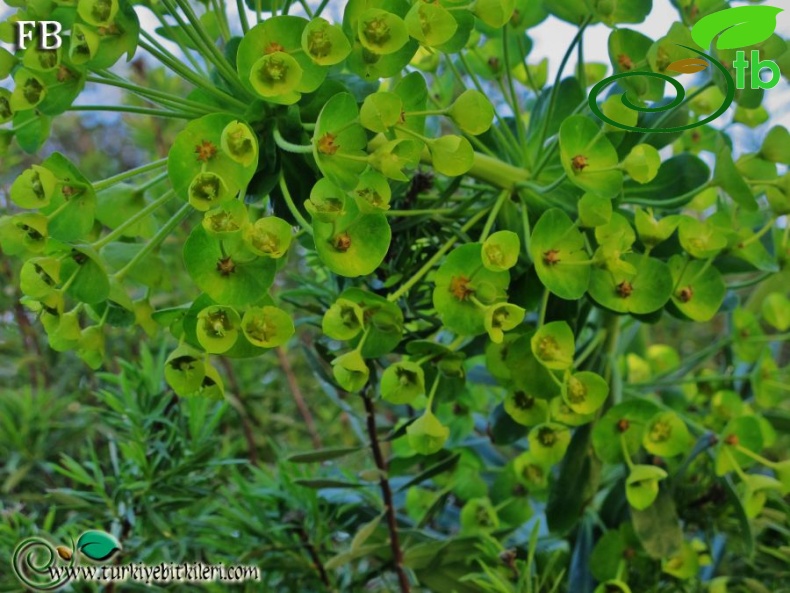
(90, 347)
(87, 277)
(30, 90)
(198, 149)
(699, 288)
(383, 322)
(553, 345)
(640, 285)
(585, 392)
(72, 206)
(350, 371)
(700, 238)
(641, 486)
(430, 24)
(525, 408)
(500, 318)
(227, 271)
(452, 155)
(63, 331)
(589, 159)
(756, 488)
(560, 257)
(527, 374)
(356, 243)
(84, 44)
(776, 311)
(501, 250)
(185, 370)
(228, 220)
(40, 277)
(325, 43)
(561, 412)
(343, 320)
(392, 157)
(34, 188)
(275, 74)
(98, 13)
(218, 329)
(742, 432)
(270, 236)
(239, 142)
(494, 13)
(594, 210)
(460, 281)
(624, 421)
(642, 163)
(373, 191)
(267, 327)
(683, 564)
(23, 233)
(380, 111)
(327, 201)
(427, 435)
(652, 231)
(472, 112)
(272, 62)
(531, 472)
(549, 441)
(666, 435)
(41, 60)
(402, 382)
(478, 515)
(207, 190)
(381, 32)
(339, 142)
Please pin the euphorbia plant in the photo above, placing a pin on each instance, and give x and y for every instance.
(469, 225)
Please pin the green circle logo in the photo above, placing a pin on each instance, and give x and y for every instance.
(680, 95)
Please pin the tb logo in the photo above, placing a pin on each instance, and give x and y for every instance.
(48, 34)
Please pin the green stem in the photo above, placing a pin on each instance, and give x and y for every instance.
(521, 128)
(758, 458)
(110, 181)
(626, 454)
(157, 239)
(555, 89)
(759, 234)
(290, 146)
(118, 231)
(292, 207)
(434, 212)
(242, 10)
(407, 286)
(164, 99)
(544, 305)
(494, 211)
(320, 8)
(136, 110)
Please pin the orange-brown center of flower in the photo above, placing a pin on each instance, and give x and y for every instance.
(226, 266)
(326, 144)
(273, 47)
(459, 286)
(205, 151)
(686, 294)
(579, 162)
(625, 289)
(551, 257)
(625, 62)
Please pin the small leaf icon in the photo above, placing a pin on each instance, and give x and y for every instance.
(688, 65)
(97, 545)
(739, 27)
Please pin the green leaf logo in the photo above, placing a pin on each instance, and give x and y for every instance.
(97, 545)
(739, 27)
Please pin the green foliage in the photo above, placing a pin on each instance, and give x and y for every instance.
(560, 340)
